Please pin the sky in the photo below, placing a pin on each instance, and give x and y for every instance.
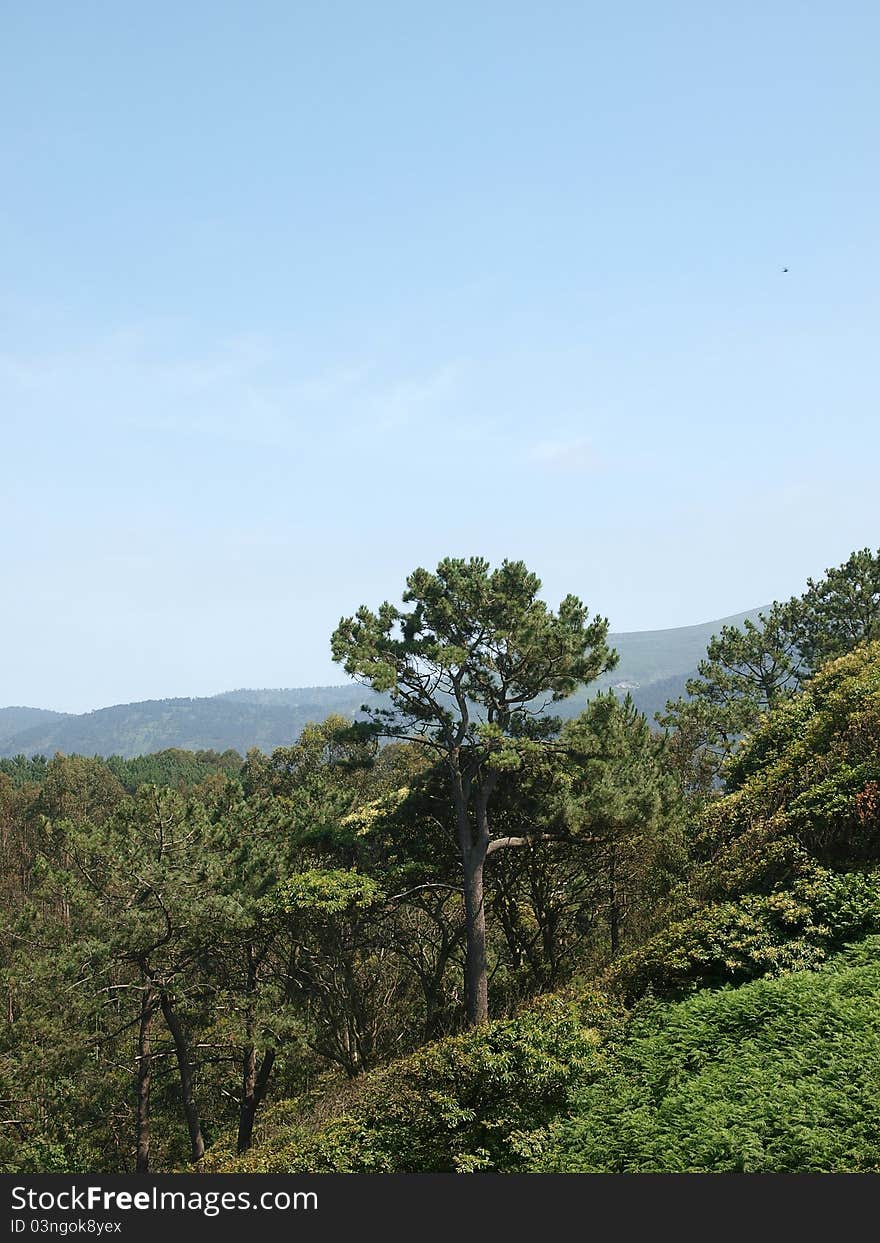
(297, 297)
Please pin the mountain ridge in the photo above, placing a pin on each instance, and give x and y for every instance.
(654, 666)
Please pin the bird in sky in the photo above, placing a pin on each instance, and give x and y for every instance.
(785, 269)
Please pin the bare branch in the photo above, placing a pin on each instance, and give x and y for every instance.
(501, 843)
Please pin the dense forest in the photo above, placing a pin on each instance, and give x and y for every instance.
(468, 931)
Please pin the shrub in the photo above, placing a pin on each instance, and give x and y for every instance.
(779, 1075)
(760, 934)
(461, 1104)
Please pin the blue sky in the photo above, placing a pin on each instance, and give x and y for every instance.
(296, 297)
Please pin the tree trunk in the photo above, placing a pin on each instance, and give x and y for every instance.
(476, 979)
(191, 1113)
(144, 1071)
(432, 1016)
(613, 907)
(473, 847)
(432, 987)
(254, 1084)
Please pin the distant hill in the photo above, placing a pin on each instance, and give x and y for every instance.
(654, 666)
(15, 720)
(216, 723)
(311, 699)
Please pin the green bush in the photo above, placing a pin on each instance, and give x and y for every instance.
(760, 934)
(461, 1104)
(780, 1075)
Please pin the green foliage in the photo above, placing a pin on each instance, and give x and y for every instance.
(622, 806)
(329, 754)
(225, 934)
(797, 785)
(465, 1103)
(775, 1076)
(842, 609)
(477, 636)
(615, 774)
(24, 770)
(746, 671)
(750, 670)
(464, 668)
(756, 667)
(759, 934)
(783, 865)
(174, 767)
(837, 717)
(324, 891)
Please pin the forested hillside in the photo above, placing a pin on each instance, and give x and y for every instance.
(622, 1075)
(465, 934)
(218, 724)
(15, 721)
(654, 666)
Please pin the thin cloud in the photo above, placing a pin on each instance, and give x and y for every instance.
(241, 389)
(574, 454)
(401, 403)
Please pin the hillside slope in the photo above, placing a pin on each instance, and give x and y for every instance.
(778, 1075)
(17, 720)
(764, 1054)
(188, 724)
